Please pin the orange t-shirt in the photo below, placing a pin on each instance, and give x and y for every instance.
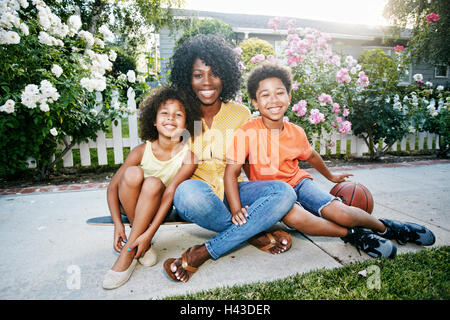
(271, 155)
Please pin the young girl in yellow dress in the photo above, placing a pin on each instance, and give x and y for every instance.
(144, 185)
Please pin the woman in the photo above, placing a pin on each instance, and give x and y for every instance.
(207, 68)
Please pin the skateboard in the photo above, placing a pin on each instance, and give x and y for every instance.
(171, 219)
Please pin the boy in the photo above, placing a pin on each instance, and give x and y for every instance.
(273, 147)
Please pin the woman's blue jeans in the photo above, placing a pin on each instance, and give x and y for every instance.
(268, 202)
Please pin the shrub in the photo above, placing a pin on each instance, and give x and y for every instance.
(252, 47)
(51, 74)
(376, 114)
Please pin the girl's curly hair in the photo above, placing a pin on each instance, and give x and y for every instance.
(150, 105)
(215, 52)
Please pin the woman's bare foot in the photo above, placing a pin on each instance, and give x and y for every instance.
(195, 257)
(274, 243)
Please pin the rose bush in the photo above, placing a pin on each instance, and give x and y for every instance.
(428, 111)
(51, 72)
(324, 81)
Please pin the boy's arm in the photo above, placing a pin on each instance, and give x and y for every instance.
(316, 161)
(232, 172)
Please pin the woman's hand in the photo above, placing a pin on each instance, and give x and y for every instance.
(239, 216)
(142, 243)
(119, 236)
(336, 178)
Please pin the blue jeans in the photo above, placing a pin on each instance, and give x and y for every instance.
(268, 201)
(311, 197)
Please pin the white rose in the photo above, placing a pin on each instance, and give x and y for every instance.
(87, 36)
(24, 29)
(53, 132)
(418, 77)
(9, 37)
(440, 87)
(112, 55)
(74, 23)
(44, 107)
(8, 107)
(131, 76)
(57, 70)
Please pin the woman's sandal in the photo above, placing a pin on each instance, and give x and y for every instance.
(280, 234)
(184, 265)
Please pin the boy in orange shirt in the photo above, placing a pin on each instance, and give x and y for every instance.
(273, 148)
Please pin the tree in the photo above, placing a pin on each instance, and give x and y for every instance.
(129, 20)
(430, 25)
(50, 71)
(196, 26)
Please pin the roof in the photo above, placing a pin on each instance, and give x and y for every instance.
(259, 24)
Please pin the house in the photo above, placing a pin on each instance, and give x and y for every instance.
(346, 38)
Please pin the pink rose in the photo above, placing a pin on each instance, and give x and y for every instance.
(300, 108)
(343, 76)
(336, 108)
(399, 48)
(258, 58)
(433, 17)
(316, 116)
(345, 127)
(345, 112)
(324, 98)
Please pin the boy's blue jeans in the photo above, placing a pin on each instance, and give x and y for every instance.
(269, 201)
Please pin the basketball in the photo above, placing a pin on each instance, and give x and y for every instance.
(354, 194)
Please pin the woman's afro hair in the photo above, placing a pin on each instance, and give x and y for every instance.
(215, 52)
(151, 104)
(265, 71)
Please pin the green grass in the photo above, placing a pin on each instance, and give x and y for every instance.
(421, 275)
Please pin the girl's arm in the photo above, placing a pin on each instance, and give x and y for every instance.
(112, 194)
(232, 172)
(316, 161)
(184, 173)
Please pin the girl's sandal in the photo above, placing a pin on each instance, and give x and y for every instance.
(184, 265)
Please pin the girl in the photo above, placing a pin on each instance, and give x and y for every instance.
(144, 185)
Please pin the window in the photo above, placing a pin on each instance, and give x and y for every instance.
(441, 72)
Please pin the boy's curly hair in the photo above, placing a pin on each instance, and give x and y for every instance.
(150, 105)
(265, 71)
(215, 52)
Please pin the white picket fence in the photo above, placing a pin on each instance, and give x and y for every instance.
(118, 142)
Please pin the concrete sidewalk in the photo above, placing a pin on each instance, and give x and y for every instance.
(49, 252)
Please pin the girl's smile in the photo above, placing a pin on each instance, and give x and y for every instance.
(171, 119)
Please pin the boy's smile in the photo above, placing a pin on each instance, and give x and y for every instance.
(272, 101)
